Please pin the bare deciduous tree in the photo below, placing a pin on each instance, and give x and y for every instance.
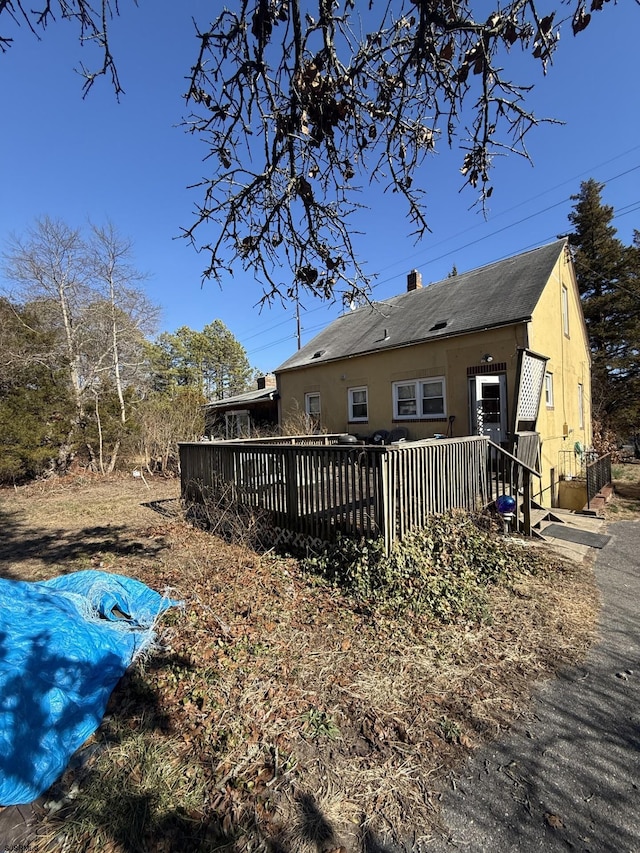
(130, 315)
(50, 272)
(85, 293)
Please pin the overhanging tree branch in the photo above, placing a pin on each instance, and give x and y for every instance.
(92, 21)
(300, 102)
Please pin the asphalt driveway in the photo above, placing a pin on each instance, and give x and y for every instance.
(567, 778)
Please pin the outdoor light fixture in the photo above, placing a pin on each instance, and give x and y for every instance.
(506, 505)
(487, 358)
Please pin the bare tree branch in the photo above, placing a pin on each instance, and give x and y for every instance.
(93, 29)
(302, 101)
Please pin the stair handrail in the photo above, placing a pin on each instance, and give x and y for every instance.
(524, 510)
(515, 459)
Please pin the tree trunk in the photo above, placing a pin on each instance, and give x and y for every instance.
(114, 457)
(116, 353)
(65, 454)
(100, 442)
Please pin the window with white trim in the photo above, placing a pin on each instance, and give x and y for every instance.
(237, 424)
(565, 310)
(358, 404)
(548, 390)
(313, 411)
(419, 398)
(580, 405)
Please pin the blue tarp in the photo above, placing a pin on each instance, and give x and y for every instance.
(64, 645)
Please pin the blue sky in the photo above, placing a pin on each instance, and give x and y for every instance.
(130, 162)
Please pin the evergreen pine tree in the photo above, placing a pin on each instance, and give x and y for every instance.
(35, 404)
(609, 283)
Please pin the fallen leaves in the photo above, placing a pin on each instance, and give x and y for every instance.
(262, 669)
(554, 820)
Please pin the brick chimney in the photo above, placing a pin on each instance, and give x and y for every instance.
(414, 281)
(268, 381)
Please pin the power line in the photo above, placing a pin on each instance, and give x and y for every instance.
(632, 207)
(506, 227)
(262, 330)
(539, 195)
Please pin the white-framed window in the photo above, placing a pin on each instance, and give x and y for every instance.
(580, 405)
(548, 390)
(405, 400)
(565, 310)
(313, 411)
(358, 404)
(419, 398)
(237, 424)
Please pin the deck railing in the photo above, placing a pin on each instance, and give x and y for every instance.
(320, 439)
(317, 490)
(598, 475)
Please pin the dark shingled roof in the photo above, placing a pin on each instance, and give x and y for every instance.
(499, 294)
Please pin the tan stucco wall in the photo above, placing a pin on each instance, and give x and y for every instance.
(449, 358)
(569, 364)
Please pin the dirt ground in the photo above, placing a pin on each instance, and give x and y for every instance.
(276, 713)
(62, 526)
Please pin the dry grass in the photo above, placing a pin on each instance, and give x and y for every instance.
(625, 503)
(277, 715)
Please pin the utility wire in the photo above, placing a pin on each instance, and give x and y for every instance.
(631, 208)
(507, 227)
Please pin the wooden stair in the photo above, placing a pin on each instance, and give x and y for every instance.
(540, 517)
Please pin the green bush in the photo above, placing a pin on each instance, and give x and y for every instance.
(35, 418)
(442, 569)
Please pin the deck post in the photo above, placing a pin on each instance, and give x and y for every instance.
(526, 502)
(386, 502)
(291, 487)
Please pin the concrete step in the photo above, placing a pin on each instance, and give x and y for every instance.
(538, 515)
(541, 516)
(581, 519)
(543, 512)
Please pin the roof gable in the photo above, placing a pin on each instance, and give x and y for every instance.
(499, 294)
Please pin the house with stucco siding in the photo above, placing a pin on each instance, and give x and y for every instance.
(497, 351)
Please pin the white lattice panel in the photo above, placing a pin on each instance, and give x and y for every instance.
(531, 379)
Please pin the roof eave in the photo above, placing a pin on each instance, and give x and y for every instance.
(231, 401)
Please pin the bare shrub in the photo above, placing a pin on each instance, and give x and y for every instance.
(220, 510)
(296, 422)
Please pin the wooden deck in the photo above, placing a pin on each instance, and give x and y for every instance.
(316, 490)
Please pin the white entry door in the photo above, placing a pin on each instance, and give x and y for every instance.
(488, 406)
